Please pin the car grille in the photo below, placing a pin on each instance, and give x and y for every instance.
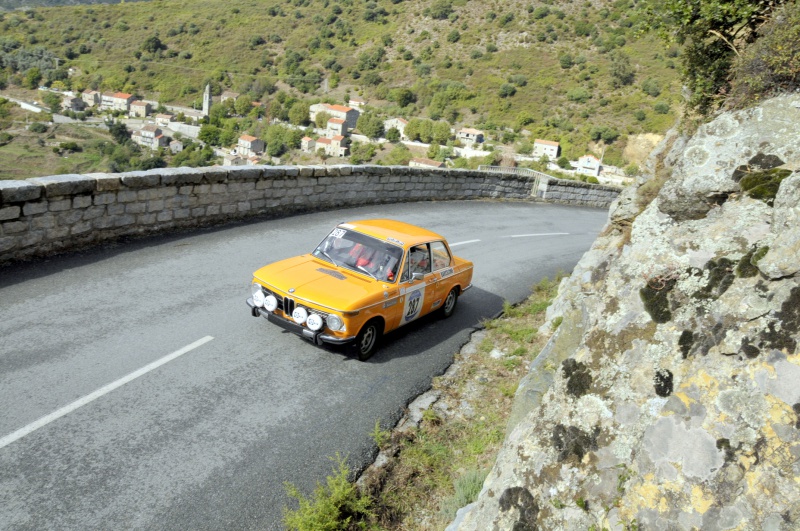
(287, 304)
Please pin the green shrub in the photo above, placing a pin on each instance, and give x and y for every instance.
(37, 127)
(335, 506)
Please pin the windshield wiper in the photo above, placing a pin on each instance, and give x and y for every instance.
(367, 272)
(329, 257)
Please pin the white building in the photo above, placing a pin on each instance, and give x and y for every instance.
(588, 165)
(149, 136)
(545, 148)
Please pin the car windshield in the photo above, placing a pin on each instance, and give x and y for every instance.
(362, 253)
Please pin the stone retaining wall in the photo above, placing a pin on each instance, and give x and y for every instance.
(44, 215)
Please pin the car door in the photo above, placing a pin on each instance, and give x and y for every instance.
(420, 292)
(442, 269)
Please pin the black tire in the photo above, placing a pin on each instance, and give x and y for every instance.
(367, 340)
(450, 302)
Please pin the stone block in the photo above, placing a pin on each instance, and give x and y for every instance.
(102, 223)
(7, 243)
(198, 212)
(48, 221)
(181, 176)
(105, 182)
(116, 209)
(81, 227)
(13, 191)
(60, 205)
(10, 212)
(213, 210)
(182, 213)
(68, 217)
(31, 238)
(228, 209)
(70, 184)
(245, 173)
(125, 220)
(155, 206)
(215, 174)
(105, 198)
(14, 227)
(141, 179)
(93, 212)
(82, 201)
(135, 208)
(127, 196)
(58, 233)
(166, 215)
(146, 219)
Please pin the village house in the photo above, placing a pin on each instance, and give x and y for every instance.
(116, 101)
(233, 159)
(425, 163)
(545, 148)
(588, 165)
(71, 103)
(149, 136)
(140, 109)
(357, 102)
(333, 147)
(91, 98)
(249, 145)
(336, 127)
(176, 146)
(163, 120)
(348, 114)
(470, 136)
(399, 124)
(228, 95)
(307, 144)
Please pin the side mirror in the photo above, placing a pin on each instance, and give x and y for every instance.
(416, 276)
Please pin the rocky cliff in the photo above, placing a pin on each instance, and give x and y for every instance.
(669, 396)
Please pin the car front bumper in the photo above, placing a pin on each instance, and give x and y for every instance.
(317, 337)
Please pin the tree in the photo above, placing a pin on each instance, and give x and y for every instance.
(153, 44)
(370, 124)
(209, 134)
(393, 134)
(622, 73)
(402, 96)
(712, 33)
(120, 132)
(440, 132)
(507, 90)
(53, 101)
(243, 105)
(321, 119)
(298, 113)
(32, 78)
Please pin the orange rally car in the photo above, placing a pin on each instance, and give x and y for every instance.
(364, 279)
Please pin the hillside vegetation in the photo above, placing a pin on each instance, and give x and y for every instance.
(569, 71)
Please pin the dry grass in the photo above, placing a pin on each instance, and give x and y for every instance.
(440, 466)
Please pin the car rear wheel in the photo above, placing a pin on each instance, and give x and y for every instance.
(367, 340)
(449, 305)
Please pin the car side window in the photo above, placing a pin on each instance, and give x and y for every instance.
(441, 257)
(417, 261)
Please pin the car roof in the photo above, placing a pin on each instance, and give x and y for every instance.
(389, 229)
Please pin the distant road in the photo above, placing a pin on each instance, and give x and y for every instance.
(137, 392)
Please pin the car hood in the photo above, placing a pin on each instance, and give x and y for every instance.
(320, 282)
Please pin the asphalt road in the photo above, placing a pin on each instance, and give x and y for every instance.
(137, 392)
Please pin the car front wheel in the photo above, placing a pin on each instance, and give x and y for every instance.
(449, 305)
(367, 340)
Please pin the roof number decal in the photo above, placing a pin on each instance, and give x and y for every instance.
(338, 233)
(398, 242)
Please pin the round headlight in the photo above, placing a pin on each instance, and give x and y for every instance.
(258, 298)
(334, 322)
(314, 322)
(255, 287)
(299, 315)
(270, 303)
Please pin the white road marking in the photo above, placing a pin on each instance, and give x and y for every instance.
(463, 243)
(543, 234)
(47, 419)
